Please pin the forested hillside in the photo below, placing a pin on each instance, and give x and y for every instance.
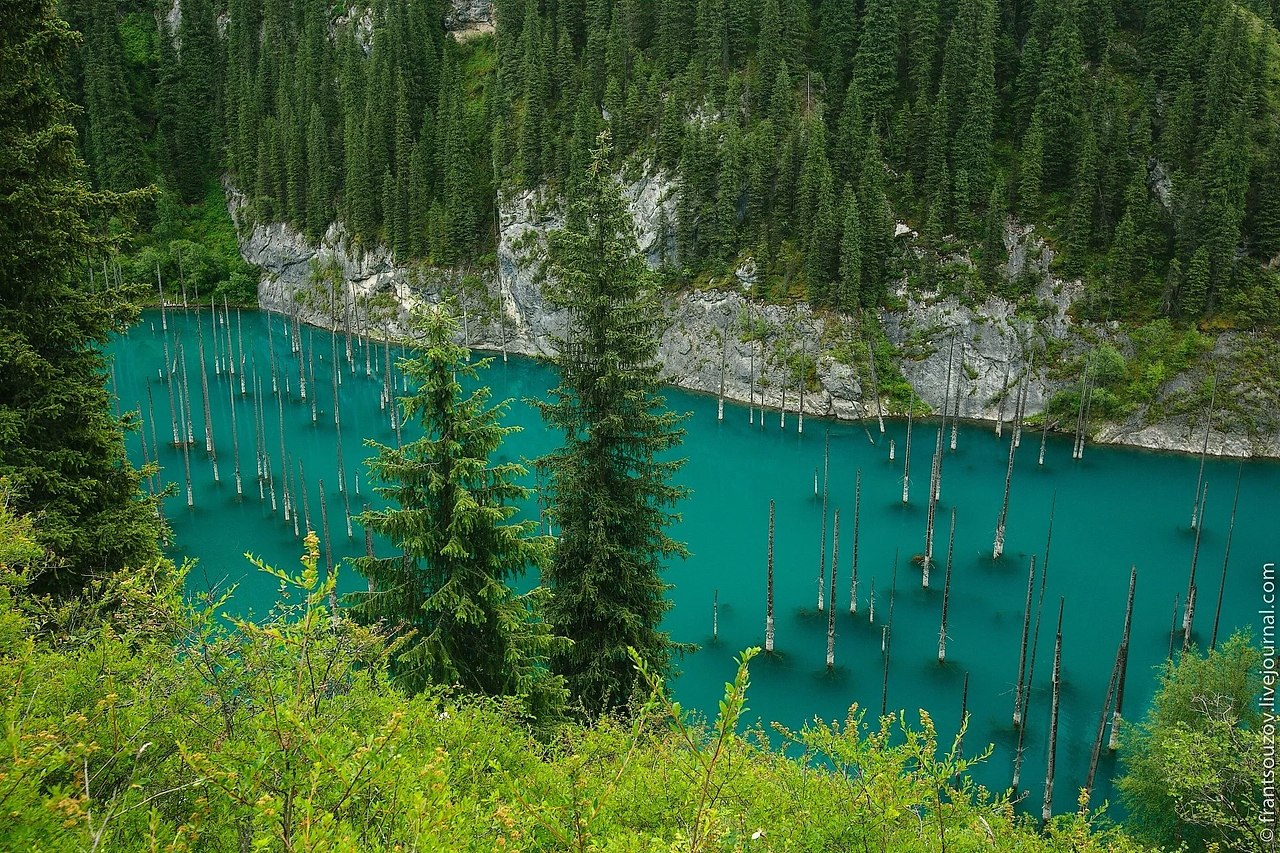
(1138, 135)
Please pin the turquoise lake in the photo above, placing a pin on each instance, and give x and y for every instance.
(1116, 508)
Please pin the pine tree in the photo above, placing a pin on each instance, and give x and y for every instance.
(815, 218)
(114, 142)
(850, 135)
(1031, 169)
(319, 176)
(1194, 293)
(1060, 106)
(449, 520)
(877, 225)
(60, 448)
(821, 249)
(923, 47)
(837, 36)
(974, 37)
(994, 256)
(536, 99)
(769, 51)
(610, 484)
(850, 254)
(1126, 259)
(195, 146)
(875, 65)
(1027, 88)
(1084, 201)
(938, 217)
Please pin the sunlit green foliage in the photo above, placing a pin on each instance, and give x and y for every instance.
(445, 588)
(150, 724)
(1193, 769)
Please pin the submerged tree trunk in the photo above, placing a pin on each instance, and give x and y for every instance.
(946, 590)
(1197, 511)
(875, 387)
(235, 440)
(1226, 558)
(1047, 811)
(1004, 396)
(1188, 616)
(998, 545)
(906, 453)
(1123, 663)
(1102, 727)
(768, 619)
(831, 613)
(853, 569)
(1022, 656)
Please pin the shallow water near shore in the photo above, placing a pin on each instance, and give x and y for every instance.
(1116, 508)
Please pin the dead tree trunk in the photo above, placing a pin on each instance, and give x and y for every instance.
(328, 553)
(1035, 646)
(1189, 614)
(831, 612)
(1004, 395)
(875, 387)
(853, 569)
(955, 419)
(1102, 727)
(822, 551)
(724, 361)
(1116, 718)
(235, 440)
(1026, 633)
(185, 402)
(768, 619)
(1196, 510)
(946, 590)
(906, 453)
(1226, 558)
(998, 545)
(751, 383)
(1047, 811)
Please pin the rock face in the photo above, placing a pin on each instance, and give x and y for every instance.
(718, 341)
(468, 18)
(464, 14)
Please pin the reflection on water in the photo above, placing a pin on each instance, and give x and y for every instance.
(1114, 509)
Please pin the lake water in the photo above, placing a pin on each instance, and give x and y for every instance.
(1115, 508)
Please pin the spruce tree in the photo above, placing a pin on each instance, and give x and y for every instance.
(877, 224)
(875, 65)
(319, 176)
(1194, 293)
(457, 547)
(610, 483)
(994, 256)
(850, 254)
(114, 142)
(60, 448)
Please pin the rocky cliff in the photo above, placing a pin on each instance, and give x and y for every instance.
(720, 341)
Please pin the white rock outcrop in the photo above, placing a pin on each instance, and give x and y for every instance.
(705, 346)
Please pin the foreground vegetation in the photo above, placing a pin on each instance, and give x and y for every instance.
(140, 722)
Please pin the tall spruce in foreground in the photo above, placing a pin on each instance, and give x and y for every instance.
(610, 484)
(450, 522)
(60, 446)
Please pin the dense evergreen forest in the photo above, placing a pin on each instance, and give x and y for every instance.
(1139, 136)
